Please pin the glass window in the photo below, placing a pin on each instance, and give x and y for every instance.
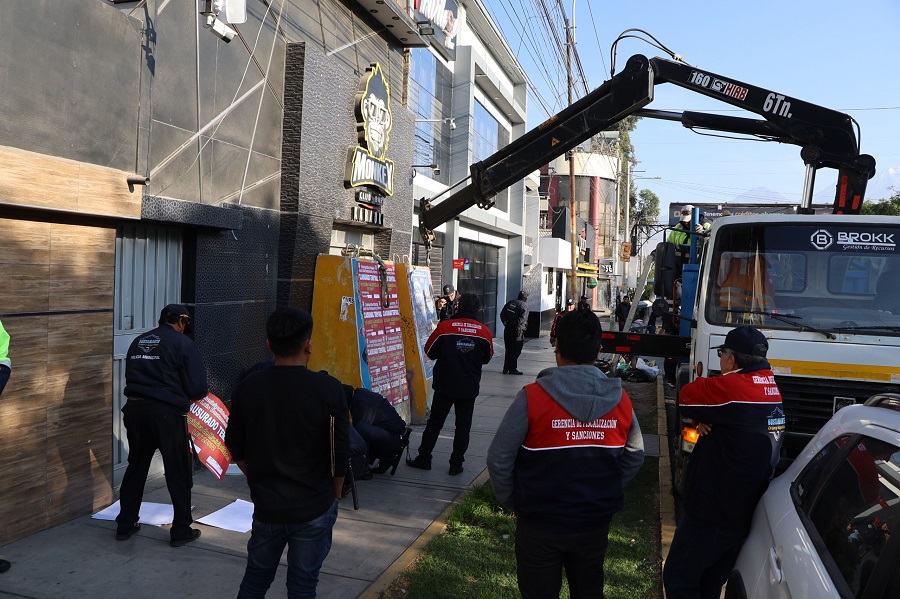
(852, 513)
(787, 276)
(486, 133)
(341, 238)
(429, 99)
(854, 274)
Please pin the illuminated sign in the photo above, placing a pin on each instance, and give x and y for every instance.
(367, 164)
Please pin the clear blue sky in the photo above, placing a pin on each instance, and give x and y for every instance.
(839, 54)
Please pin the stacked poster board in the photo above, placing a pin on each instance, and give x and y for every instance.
(370, 323)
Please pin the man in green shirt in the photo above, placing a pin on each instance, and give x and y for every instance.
(680, 234)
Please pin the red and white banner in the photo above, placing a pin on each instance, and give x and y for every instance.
(207, 421)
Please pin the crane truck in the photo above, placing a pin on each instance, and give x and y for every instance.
(823, 288)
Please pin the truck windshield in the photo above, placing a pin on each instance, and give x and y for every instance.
(818, 276)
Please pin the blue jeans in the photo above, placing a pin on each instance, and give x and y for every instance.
(308, 545)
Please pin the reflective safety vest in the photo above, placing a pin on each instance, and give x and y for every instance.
(567, 473)
(4, 347)
(746, 288)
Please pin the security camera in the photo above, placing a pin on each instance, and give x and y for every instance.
(436, 171)
(220, 29)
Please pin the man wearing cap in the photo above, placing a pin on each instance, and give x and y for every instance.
(163, 374)
(460, 347)
(742, 428)
(514, 317)
(583, 303)
(622, 311)
(570, 306)
(448, 303)
(680, 234)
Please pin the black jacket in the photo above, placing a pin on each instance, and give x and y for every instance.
(281, 427)
(514, 315)
(460, 347)
(369, 407)
(622, 310)
(165, 365)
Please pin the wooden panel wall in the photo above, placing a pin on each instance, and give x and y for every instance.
(56, 411)
(35, 180)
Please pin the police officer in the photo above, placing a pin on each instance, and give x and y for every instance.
(163, 374)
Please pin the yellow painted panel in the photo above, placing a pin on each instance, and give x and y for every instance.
(335, 339)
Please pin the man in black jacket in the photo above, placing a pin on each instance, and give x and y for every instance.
(163, 374)
(460, 347)
(622, 311)
(288, 433)
(378, 424)
(514, 317)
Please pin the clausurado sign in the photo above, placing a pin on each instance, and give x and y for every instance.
(207, 420)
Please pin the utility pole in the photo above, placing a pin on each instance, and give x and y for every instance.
(627, 233)
(573, 275)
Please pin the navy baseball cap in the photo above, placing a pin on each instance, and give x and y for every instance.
(570, 302)
(746, 340)
(448, 289)
(175, 311)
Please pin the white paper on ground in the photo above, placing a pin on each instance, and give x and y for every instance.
(237, 516)
(157, 514)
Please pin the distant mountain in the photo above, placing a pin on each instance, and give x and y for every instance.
(760, 195)
(880, 186)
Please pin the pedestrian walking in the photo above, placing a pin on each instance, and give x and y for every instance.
(570, 305)
(288, 433)
(742, 428)
(514, 317)
(163, 374)
(622, 311)
(568, 444)
(460, 347)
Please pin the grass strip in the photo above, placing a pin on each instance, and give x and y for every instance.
(475, 556)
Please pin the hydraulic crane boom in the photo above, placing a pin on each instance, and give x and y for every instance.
(827, 137)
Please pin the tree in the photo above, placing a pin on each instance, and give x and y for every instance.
(644, 207)
(887, 207)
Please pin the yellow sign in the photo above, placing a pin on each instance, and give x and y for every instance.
(625, 256)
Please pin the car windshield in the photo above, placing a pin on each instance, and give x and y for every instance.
(818, 277)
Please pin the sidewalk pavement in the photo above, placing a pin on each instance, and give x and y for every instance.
(397, 516)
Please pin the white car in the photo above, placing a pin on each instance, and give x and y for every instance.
(829, 526)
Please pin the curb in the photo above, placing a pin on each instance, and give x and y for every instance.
(666, 498)
(380, 584)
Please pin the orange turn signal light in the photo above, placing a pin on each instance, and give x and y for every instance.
(691, 435)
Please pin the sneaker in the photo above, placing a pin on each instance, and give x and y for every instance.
(4, 566)
(455, 469)
(420, 463)
(184, 538)
(515, 372)
(123, 534)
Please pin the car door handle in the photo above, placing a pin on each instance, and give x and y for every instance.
(775, 565)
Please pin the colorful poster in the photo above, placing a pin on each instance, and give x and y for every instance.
(207, 421)
(424, 312)
(382, 360)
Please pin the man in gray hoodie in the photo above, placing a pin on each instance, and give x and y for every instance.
(567, 446)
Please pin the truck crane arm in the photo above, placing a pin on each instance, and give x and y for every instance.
(826, 136)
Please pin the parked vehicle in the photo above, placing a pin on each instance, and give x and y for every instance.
(829, 526)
